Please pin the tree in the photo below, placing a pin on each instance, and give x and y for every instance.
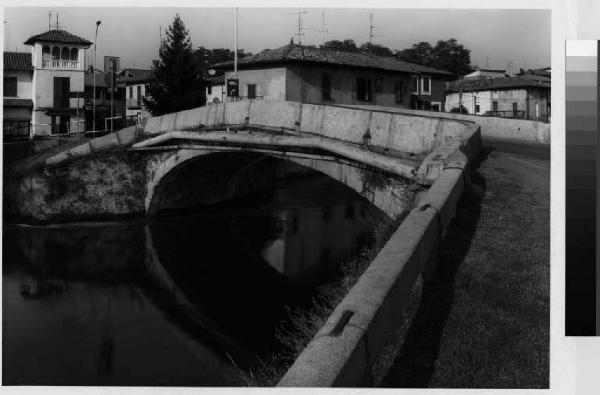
(421, 53)
(205, 57)
(376, 49)
(176, 82)
(348, 45)
(451, 56)
(447, 55)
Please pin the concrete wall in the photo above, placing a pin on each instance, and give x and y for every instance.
(270, 83)
(494, 127)
(344, 350)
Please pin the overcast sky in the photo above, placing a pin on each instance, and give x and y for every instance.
(493, 36)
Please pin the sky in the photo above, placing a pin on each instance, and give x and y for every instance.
(493, 36)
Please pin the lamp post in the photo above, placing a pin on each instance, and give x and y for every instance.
(94, 73)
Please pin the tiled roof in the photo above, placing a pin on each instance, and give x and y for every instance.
(215, 79)
(17, 61)
(57, 36)
(18, 103)
(486, 83)
(297, 53)
(135, 75)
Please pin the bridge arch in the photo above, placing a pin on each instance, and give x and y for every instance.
(231, 172)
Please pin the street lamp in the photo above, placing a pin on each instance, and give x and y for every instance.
(94, 73)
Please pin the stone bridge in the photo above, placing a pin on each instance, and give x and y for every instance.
(225, 150)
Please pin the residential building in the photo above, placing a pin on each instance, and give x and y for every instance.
(135, 81)
(525, 96)
(215, 89)
(17, 93)
(57, 85)
(312, 75)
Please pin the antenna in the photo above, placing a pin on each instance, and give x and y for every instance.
(49, 18)
(301, 28)
(371, 34)
(323, 30)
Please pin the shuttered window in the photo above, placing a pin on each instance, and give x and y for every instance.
(364, 89)
(10, 86)
(61, 92)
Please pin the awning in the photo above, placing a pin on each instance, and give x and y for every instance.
(18, 103)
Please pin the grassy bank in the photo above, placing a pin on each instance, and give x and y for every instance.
(482, 321)
(301, 325)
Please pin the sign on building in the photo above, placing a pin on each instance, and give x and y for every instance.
(233, 87)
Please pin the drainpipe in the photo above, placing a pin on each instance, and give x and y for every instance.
(526, 103)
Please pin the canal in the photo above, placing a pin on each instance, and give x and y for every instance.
(187, 298)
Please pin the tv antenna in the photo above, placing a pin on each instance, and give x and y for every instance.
(301, 28)
(371, 34)
(323, 30)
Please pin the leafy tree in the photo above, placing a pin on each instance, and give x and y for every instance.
(420, 53)
(452, 56)
(205, 57)
(176, 82)
(348, 45)
(376, 49)
(447, 55)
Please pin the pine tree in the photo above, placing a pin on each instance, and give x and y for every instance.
(176, 82)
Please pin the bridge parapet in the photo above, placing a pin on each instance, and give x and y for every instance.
(410, 135)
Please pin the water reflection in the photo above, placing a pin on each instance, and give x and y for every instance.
(175, 299)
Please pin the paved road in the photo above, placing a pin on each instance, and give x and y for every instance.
(518, 148)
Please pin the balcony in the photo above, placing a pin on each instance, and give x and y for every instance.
(133, 103)
(60, 64)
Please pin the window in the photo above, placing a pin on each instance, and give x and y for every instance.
(55, 53)
(515, 109)
(476, 108)
(209, 89)
(65, 54)
(326, 86)
(426, 83)
(74, 54)
(131, 92)
(10, 86)
(61, 92)
(46, 52)
(363, 89)
(139, 95)
(378, 84)
(251, 91)
(414, 83)
(494, 106)
(398, 88)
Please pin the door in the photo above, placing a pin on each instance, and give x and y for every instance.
(251, 91)
(61, 92)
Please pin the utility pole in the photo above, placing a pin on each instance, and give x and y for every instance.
(323, 30)
(94, 74)
(371, 34)
(235, 45)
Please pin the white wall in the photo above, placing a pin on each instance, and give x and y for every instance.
(218, 92)
(24, 82)
(270, 83)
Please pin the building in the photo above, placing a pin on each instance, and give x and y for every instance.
(311, 75)
(487, 73)
(17, 95)
(525, 96)
(215, 89)
(57, 86)
(135, 81)
(103, 102)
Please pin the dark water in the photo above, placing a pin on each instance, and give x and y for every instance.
(181, 299)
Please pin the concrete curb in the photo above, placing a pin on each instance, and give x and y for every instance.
(343, 351)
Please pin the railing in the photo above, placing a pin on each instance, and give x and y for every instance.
(505, 114)
(60, 64)
(15, 130)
